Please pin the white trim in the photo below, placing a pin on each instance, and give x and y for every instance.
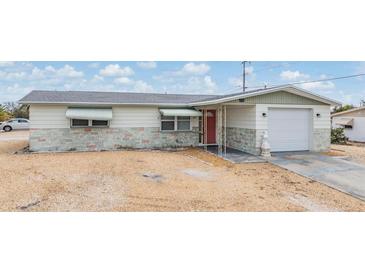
(180, 112)
(102, 104)
(175, 124)
(291, 89)
(102, 114)
(347, 111)
(90, 123)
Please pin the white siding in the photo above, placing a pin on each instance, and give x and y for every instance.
(48, 116)
(52, 116)
(241, 117)
(135, 117)
(324, 121)
(357, 133)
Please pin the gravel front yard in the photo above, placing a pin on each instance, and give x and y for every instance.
(190, 180)
(355, 152)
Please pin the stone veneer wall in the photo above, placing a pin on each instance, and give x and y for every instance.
(243, 139)
(96, 139)
(321, 139)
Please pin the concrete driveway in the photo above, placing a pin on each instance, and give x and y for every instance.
(338, 173)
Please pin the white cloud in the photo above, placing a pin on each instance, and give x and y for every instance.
(188, 70)
(114, 70)
(13, 92)
(6, 63)
(133, 85)
(97, 78)
(147, 65)
(194, 84)
(123, 81)
(195, 69)
(211, 85)
(66, 71)
(293, 75)
(249, 70)
(326, 85)
(235, 81)
(10, 76)
(94, 65)
(164, 78)
(69, 71)
(37, 74)
(141, 86)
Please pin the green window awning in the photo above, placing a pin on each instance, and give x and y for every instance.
(180, 112)
(90, 113)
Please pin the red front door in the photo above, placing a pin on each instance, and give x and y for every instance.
(211, 130)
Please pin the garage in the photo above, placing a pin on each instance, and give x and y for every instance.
(289, 129)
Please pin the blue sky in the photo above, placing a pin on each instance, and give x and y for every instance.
(19, 78)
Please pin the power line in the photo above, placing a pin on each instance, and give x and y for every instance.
(316, 81)
(266, 68)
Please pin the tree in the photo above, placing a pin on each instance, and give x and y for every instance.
(4, 115)
(338, 136)
(342, 108)
(16, 110)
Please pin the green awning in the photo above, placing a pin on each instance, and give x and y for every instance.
(180, 112)
(90, 113)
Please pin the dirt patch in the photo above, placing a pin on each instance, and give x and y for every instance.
(354, 152)
(153, 176)
(15, 135)
(190, 180)
(12, 146)
(335, 153)
(308, 204)
(198, 173)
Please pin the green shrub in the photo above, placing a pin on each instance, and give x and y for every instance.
(338, 136)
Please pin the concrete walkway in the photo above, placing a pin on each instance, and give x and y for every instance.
(234, 155)
(341, 174)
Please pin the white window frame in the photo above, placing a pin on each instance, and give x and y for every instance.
(175, 124)
(177, 121)
(90, 124)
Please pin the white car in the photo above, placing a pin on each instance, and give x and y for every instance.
(15, 123)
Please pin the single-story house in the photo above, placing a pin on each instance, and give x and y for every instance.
(353, 122)
(294, 120)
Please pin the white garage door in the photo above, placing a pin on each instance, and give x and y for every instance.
(289, 129)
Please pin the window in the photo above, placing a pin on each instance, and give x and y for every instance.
(89, 123)
(348, 126)
(172, 123)
(79, 123)
(99, 123)
(22, 121)
(167, 123)
(183, 123)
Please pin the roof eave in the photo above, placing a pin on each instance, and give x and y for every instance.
(266, 91)
(347, 111)
(106, 104)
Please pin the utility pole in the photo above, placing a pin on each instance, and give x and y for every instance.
(244, 76)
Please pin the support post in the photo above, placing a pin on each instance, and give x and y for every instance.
(225, 130)
(220, 130)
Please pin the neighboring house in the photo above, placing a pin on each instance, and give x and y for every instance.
(295, 120)
(353, 121)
